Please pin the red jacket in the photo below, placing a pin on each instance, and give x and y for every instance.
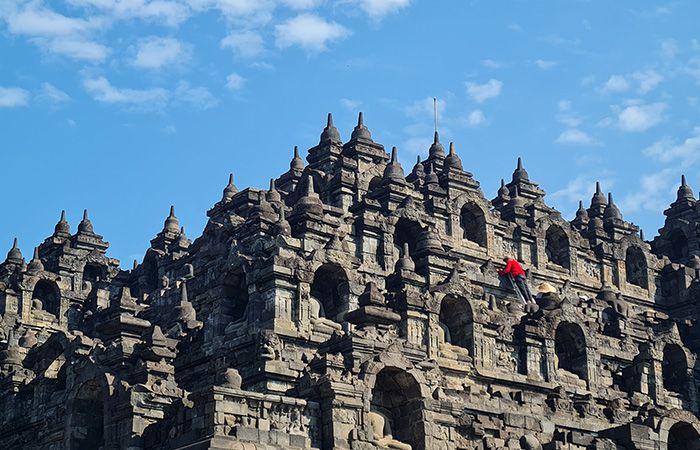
(513, 267)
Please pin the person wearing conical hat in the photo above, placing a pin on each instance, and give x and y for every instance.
(546, 288)
(547, 296)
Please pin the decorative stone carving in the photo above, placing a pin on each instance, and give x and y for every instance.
(416, 345)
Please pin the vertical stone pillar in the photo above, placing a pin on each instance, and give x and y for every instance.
(592, 363)
(655, 379)
(433, 336)
(25, 306)
(484, 346)
(573, 261)
(304, 313)
(533, 358)
(550, 359)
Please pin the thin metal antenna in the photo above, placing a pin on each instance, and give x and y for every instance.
(435, 114)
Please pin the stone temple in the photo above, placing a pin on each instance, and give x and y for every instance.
(357, 305)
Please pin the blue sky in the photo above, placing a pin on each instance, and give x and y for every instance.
(127, 106)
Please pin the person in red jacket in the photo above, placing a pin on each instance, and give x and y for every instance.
(515, 270)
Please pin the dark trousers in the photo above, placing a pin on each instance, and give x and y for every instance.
(521, 283)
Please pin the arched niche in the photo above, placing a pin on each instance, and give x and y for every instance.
(636, 270)
(93, 272)
(473, 224)
(235, 292)
(374, 183)
(87, 420)
(674, 369)
(683, 436)
(408, 232)
(611, 322)
(570, 348)
(329, 289)
(47, 296)
(677, 245)
(397, 398)
(456, 321)
(557, 246)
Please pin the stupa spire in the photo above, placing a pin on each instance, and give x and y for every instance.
(85, 226)
(361, 131)
(172, 225)
(393, 170)
(62, 227)
(297, 163)
(230, 190)
(452, 161)
(436, 149)
(14, 256)
(330, 133)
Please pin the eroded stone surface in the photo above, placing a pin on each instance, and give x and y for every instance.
(353, 307)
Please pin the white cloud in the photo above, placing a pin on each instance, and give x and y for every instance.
(246, 43)
(425, 108)
(476, 118)
(262, 65)
(417, 145)
(35, 20)
(482, 92)
(234, 81)
(567, 115)
(56, 33)
(156, 52)
(692, 68)
(669, 48)
(605, 122)
(246, 13)
(377, 9)
(580, 188)
(11, 97)
(149, 99)
(641, 117)
(491, 64)
(574, 136)
(170, 13)
(350, 104)
(310, 32)
(669, 150)
(654, 193)
(648, 80)
(545, 65)
(198, 97)
(616, 83)
(52, 94)
(102, 91)
(77, 48)
(555, 39)
(301, 4)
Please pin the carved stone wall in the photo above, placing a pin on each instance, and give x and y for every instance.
(357, 305)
